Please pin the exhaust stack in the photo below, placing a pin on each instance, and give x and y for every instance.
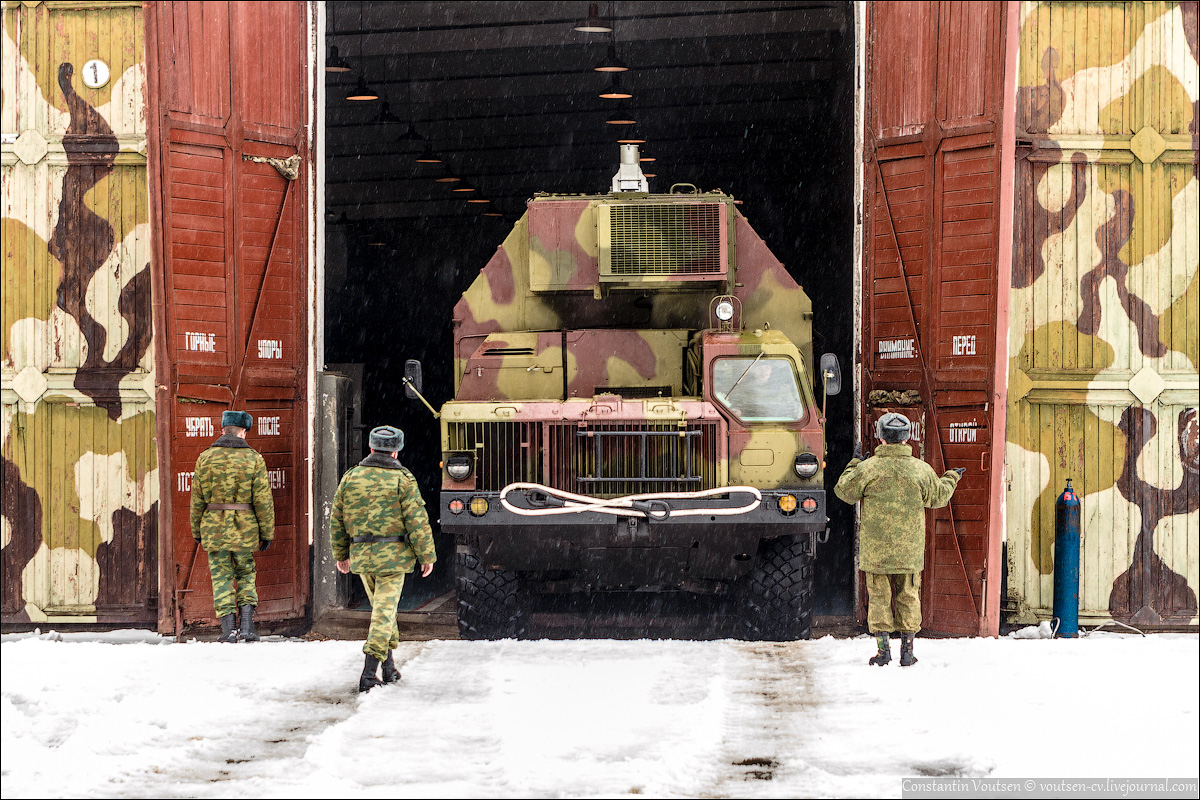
(629, 177)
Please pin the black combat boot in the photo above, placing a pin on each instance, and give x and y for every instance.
(389, 673)
(907, 659)
(367, 681)
(247, 633)
(228, 629)
(883, 642)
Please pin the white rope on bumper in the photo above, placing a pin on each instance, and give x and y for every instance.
(624, 506)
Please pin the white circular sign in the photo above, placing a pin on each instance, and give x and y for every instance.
(95, 73)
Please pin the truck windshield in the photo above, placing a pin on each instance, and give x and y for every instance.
(758, 390)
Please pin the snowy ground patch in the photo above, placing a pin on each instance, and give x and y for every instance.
(131, 716)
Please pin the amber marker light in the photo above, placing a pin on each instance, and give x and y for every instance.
(787, 503)
(479, 506)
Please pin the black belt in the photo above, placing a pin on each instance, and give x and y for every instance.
(364, 539)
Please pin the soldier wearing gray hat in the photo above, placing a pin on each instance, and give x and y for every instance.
(232, 514)
(894, 488)
(380, 532)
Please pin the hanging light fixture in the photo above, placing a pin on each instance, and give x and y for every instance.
(615, 91)
(410, 135)
(361, 91)
(631, 137)
(427, 156)
(335, 63)
(447, 176)
(621, 117)
(478, 200)
(593, 23)
(611, 63)
(650, 174)
(647, 158)
(385, 115)
(491, 213)
(464, 187)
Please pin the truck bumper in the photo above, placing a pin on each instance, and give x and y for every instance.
(593, 550)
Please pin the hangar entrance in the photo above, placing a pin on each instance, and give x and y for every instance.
(480, 105)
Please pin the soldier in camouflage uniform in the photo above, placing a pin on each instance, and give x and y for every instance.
(895, 489)
(233, 513)
(380, 531)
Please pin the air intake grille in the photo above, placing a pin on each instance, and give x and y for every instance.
(620, 458)
(674, 239)
(505, 452)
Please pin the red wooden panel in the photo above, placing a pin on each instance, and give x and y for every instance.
(230, 83)
(902, 37)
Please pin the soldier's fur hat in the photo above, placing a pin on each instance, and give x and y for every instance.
(241, 419)
(387, 439)
(893, 428)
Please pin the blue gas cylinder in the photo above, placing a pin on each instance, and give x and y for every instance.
(1067, 539)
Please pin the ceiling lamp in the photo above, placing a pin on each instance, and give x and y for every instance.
(615, 91)
(385, 115)
(447, 176)
(361, 91)
(478, 200)
(647, 158)
(611, 63)
(335, 63)
(622, 117)
(631, 137)
(427, 156)
(463, 187)
(491, 214)
(410, 135)
(650, 174)
(593, 23)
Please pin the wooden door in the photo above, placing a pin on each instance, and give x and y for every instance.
(232, 194)
(932, 224)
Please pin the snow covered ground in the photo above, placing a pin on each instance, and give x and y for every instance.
(128, 714)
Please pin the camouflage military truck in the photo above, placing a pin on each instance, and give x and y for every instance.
(635, 409)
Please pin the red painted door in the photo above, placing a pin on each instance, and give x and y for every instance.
(935, 75)
(228, 94)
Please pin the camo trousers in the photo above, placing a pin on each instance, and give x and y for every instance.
(905, 587)
(383, 590)
(230, 568)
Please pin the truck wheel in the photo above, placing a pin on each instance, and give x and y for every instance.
(777, 594)
(491, 603)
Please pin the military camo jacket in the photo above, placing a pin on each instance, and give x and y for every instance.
(380, 498)
(230, 471)
(895, 489)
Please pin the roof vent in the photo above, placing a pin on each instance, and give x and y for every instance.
(629, 177)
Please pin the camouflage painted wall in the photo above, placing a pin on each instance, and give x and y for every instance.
(1103, 384)
(80, 485)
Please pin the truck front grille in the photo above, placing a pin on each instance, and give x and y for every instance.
(619, 458)
(505, 452)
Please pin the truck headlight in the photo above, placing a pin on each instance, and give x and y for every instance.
(458, 467)
(724, 311)
(807, 465)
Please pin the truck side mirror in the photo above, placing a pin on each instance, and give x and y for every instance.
(831, 374)
(412, 378)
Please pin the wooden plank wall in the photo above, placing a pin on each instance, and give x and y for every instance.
(1104, 308)
(80, 468)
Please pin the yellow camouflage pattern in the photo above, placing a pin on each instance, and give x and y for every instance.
(895, 488)
(230, 471)
(1105, 308)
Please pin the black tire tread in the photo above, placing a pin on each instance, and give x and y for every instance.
(778, 593)
(491, 603)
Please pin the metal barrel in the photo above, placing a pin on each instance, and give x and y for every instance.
(1066, 562)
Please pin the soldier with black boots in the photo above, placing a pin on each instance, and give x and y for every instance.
(895, 488)
(380, 531)
(233, 513)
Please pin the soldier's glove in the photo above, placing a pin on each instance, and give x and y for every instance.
(959, 470)
(263, 544)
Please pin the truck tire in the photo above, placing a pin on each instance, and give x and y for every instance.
(777, 594)
(491, 602)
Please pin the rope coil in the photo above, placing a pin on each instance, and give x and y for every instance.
(651, 506)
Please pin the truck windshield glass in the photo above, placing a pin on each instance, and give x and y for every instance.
(758, 390)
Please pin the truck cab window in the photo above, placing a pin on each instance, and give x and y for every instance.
(758, 390)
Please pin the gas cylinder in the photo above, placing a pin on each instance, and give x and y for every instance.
(1066, 562)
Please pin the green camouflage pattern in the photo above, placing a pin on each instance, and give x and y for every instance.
(80, 460)
(383, 590)
(229, 473)
(1103, 340)
(905, 588)
(378, 497)
(233, 580)
(895, 488)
